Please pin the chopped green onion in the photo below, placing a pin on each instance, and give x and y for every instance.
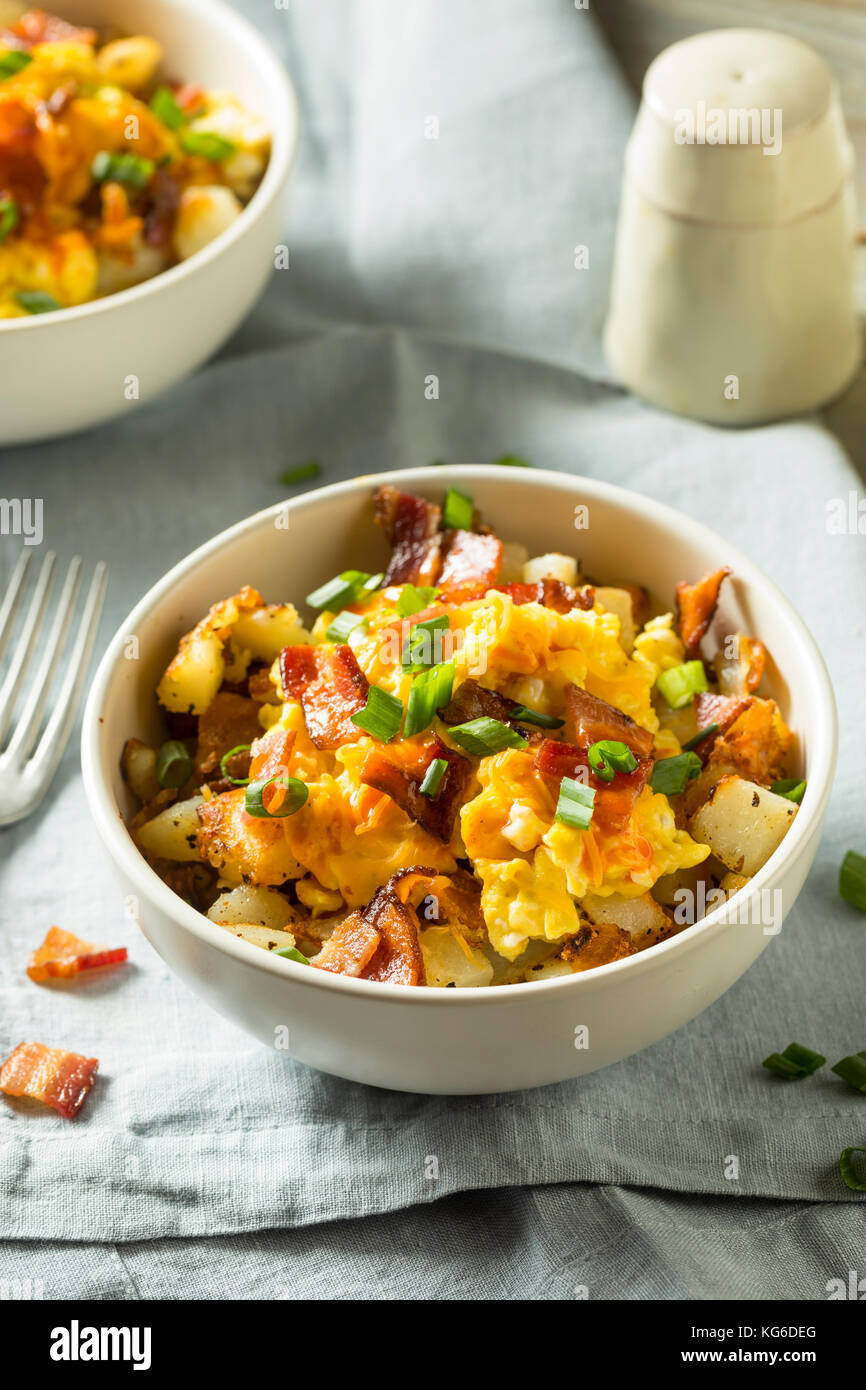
(235, 781)
(790, 789)
(422, 648)
(166, 109)
(609, 756)
(206, 144)
(292, 953)
(8, 217)
(512, 461)
(381, 715)
(534, 716)
(430, 691)
(433, 777)
(672, 775)
(343, 624)
(458, 510)
(575, 804)
(484, 736)
(130, 169)
(700, 736)
(301, 473)
(254, 798)
(846, 1168)
(853, 1070)
(852, 879)
(681, 684)
(13, 61)
(348, 587)
(36, 301)
(794, 1063)
(173, 764)
(414, 600)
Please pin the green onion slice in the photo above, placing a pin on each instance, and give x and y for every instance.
(458, 510)
(173, 764)
(700, 736)
(484, 736)
(534, 716)
(13, 61)
(37, 301)
(166, 109)
(302, 473)
(430, 691)
(512, 461)
(609, 756)
(343, 624)
(292, 953)
(254, 798)
(795, 1062)
(852, 879)
(846, 1168)
(433, 777)
(422, 648)
(791, 788)
(133, 170)
(8, 217)
(381, 715)
(672, 775)
(681, 684)
(853, 1070)
(207, 145)
(235, 781)
(414, 600)
(352, 586)
(575, 803)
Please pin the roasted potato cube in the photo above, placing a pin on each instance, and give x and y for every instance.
(619, 602)
(743, 823)
(138, 765)
(173, 834)
(252, 906)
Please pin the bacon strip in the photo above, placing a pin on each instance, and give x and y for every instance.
(696, 604)
(57, 1078)
(473, 701)
(552, 593)
(471, 564)
(717, 709)
(412, 527)
(377, 942)
(228, 721)
(63, 955)
(614, 801)
(402, 783)
(331, 688)
(454, 898)
(595, 719)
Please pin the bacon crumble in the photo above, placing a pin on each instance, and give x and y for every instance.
(63, 955)
(402, 783)
(377, 942)
(331, 688)
(696, 604)
(49, 1074)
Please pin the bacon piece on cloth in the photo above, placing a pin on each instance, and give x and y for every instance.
(471, 564)
(63, 955)
(377, 942)
(401, 780)
(595, 719)
(723, 710)
(614, 801)
(696, 604)
(412, 527)
(57, 1078)
(331, 688)
(551, 593)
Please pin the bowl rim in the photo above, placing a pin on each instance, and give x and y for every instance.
(112, 828)
(285, 138)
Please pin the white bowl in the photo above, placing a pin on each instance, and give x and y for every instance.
(436, 1040)
(65, 371)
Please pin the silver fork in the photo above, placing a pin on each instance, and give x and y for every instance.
(26, 771)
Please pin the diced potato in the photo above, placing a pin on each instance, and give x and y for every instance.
(129, 62)
(265, 631)
(619, 601)
(196, 673)
(732, 883)
(742, 823)
(634, 915)
(266, 937)
(552, 566)
(205, 211)
(226, 117)
(138, 765)
(245, 850)
(514, 557)
(252, 906)
(666, 888)
(319, 900)
(550, 969)
(119, 273)
(447, 962)
(173, 834)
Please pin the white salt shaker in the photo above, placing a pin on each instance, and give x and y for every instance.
(732, 296)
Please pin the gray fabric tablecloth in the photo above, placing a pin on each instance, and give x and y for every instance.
(203, 1164)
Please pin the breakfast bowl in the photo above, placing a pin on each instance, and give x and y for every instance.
(69, 368)
(459, 1040)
